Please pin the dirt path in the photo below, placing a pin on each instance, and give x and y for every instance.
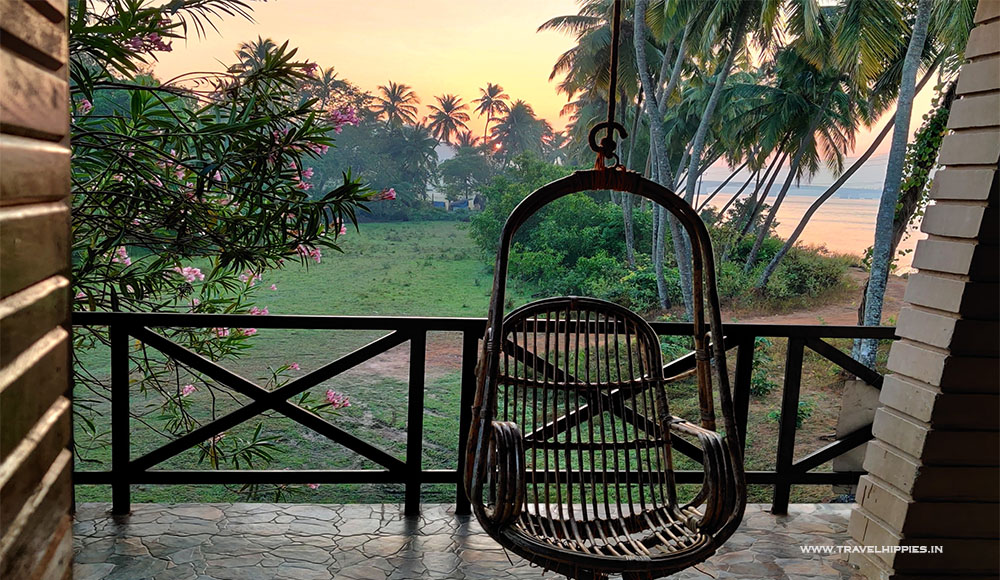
(843, 311)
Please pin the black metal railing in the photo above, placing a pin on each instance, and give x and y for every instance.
(127, 470)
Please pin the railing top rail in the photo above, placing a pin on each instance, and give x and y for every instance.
(442, 323)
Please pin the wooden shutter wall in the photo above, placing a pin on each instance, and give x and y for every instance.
(35, 460)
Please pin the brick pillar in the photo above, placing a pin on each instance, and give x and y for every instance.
(933, 476)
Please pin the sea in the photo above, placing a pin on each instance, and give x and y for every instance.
(844, 224)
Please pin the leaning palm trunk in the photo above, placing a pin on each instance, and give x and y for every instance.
(753, 209)
(865, 350)
(773, 265)
(698, 144)
(680, 243)
(712, 195)
(766, 227)
(725, 208)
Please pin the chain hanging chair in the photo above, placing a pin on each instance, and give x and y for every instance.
(569, 457)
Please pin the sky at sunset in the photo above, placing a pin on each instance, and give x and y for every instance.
(436, 46)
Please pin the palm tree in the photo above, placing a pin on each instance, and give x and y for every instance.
(519, 131)
(858, 163)
(584, 67)
(882, 250)
(492, 103)
(466, 139)
(253, 54)
(397, 104)
(414, 147)
(814, 111)
(327, 88)
(448, 117)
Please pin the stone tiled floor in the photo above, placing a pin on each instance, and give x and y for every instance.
(361, 542)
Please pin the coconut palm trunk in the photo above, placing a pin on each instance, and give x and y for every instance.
(865, 350)
(793, 169)
(698, 144)
(682, 246)
(627, 200)
(739, 192)
(682, 250)
(753, 209)
(711, 196)
(656, 140)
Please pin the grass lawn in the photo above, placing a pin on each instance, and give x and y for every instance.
(408, 268)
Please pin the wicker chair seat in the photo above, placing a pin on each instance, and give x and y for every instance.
(642, 537)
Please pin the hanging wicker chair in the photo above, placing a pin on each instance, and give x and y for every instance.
(569, 458)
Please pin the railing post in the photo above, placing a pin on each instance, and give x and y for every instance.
(121, 497)
(415, 423)
(470, 351)
(786, 429)
(741, 384)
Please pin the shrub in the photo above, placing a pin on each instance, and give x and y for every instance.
(806, 273)
(763, 364)
(805, 411)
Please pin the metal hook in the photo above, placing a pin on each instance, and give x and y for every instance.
(606, 149)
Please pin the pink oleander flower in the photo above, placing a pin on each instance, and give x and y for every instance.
(307, 173)
(315, 253)
(248, 331)
(386, 195)
(294, 366)
(254, 311)
(195, 302)
(84, 106)
(187, 390)
(149, 43)
(190, 274)
(121, 257)
(310, 68)
(155, 182)
(250, 277)
(221, 332)
(117, 177)
(274, 286)
(134, 44)
(312, 485)
(341, 117)
(80, 295)
(318, 149)
(337, 400)
(303, 185)
(342, 230)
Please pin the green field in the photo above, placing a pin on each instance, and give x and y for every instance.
(415, 269)
(418, 269)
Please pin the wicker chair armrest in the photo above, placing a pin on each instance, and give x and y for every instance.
(717, 493)
(505, 466)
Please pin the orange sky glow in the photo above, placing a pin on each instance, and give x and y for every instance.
(435, 46)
